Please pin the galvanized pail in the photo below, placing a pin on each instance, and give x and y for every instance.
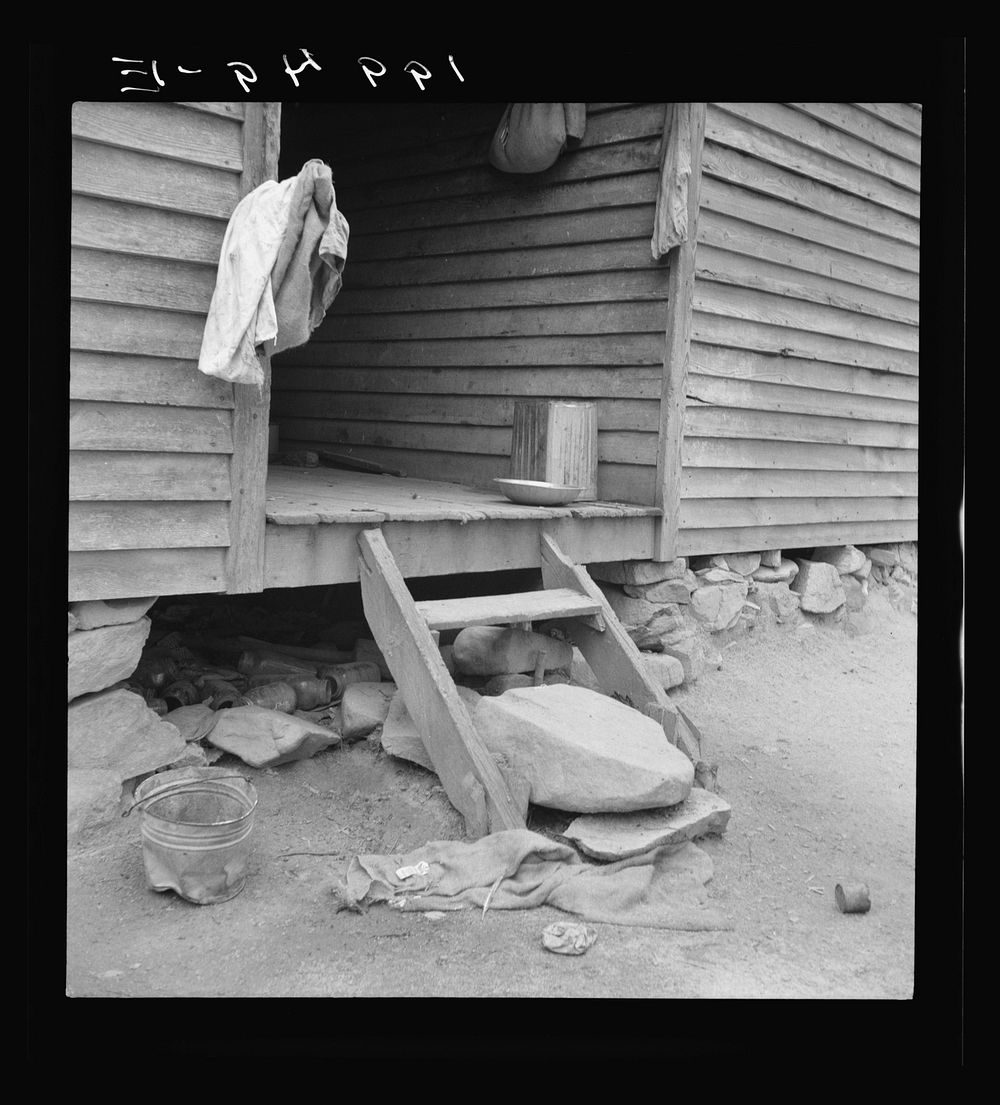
(196, 824)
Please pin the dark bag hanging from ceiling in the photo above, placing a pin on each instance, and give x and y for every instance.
(531, 137)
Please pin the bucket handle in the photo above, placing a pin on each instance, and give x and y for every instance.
(163, 791)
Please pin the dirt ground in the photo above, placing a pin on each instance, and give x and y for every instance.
(815, 736)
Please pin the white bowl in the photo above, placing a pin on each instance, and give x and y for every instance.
(537, 493)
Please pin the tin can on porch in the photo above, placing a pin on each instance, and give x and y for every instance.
(196, 825)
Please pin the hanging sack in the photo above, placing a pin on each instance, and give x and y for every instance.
(531, 137)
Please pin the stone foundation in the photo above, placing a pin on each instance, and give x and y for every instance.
(690, 609)
(113, 735)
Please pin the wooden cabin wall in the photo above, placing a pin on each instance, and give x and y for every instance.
(151, 438)
(801, 419)
(466, 289)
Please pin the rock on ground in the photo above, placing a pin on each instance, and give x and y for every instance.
(638, 572)
(776, 599)
(690, 651)
(400, 736)
(93, 798)
(719, 605)
(645, 622)
(854, 592)
(818, 586)
(584, 752)
(668, 671)
(363, 707)
(886, 555)
(743, 563)
(614, 836)
(502, 650)
(266, 738)
(784, 572)
(116, 731)
(96, 613)
(669, 591)
(845, 558)
(100, 657)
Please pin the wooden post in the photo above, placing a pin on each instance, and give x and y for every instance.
(248, 464)
(680, 291)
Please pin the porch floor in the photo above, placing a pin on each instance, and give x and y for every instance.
(317, 496)
(314, 517)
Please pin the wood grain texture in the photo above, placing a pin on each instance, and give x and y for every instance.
(302, 556)
(743, 169)
(163, 381)
(168, 130)
(107, 277)
(715, 452)
(906, 117)
(729, 513)
(707, 542)
(113, 476)
(119, 573)
(775, 214)
(106, 328)
(248, 470)
(786, 341)
(126, 228)
(151, 181)
(630, 383)
(148, 428)
(680, 292)
(614, 414)
(853, 121)
(740, 364)
(728, 128)
(827, 141)
(750, 483)
(162, 525)
(511, 609)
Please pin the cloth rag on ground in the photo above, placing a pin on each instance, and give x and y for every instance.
(520, 869)
(530, 137)
(279, 270)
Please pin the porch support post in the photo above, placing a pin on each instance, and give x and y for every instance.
(248, 464)
(680, 292)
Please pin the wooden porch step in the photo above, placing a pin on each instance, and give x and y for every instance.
(523, 606)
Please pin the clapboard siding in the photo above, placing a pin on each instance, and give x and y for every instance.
(801, 424)
(151, 438)
(466, 289)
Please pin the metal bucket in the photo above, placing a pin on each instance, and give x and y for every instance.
(196, 824)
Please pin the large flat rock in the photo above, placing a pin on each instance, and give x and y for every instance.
(265, 738)
(400, 736)
(584, 752)
(819, 587)
(719, 605)
(95, 613)
(97, 658)
(116, 731)
(364, 707)
(614, 836)
(636, 572)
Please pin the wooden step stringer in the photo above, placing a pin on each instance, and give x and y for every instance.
(473, 781)
(468, 773)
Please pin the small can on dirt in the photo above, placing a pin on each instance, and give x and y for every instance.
(156, 672)
(340, 675)
(271, 696)
(181, 693)
(852, 897)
